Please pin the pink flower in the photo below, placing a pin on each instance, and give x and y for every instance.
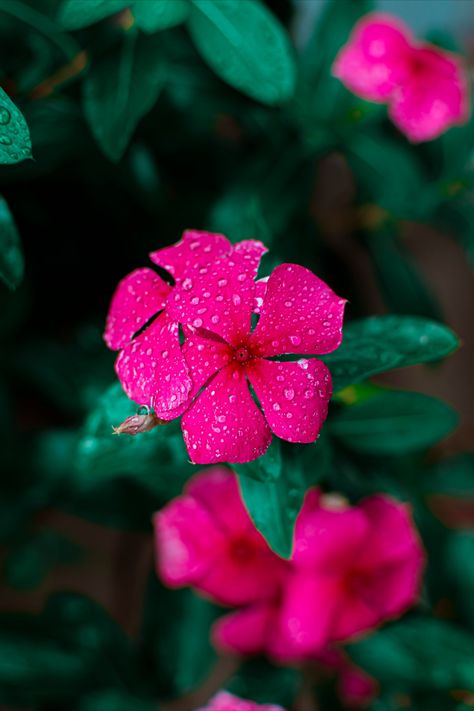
(352, 568)
(356, 688)
(426, 88)
(298, 314)
(205, 538)
(150, 365)
(224, 701)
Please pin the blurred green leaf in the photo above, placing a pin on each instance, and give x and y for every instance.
(393, 423)
(29, 562)
(115, 700)
(75, 14)
(380, 343)
(454, 475)
(11, 256)
(274, 505)
(409, 653)
(119, 91)
(154, 15)
(246, 46)
(15, 142)
(261, 681)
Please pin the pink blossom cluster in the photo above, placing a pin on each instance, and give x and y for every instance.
(223, 701)
(425, 87)
(209, 297)
(352, 568)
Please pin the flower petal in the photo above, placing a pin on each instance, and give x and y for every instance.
(392, 533)
(328, 540)
(300, 314)
(246, 631)
(183, 557)
(252, 250)
(375, 59)
(224, 424)
(219, 298)
(308, 611)
(433, 99)
(354, 615)
(194, 249)
(152, 368)
(217, 490)
(137, 298)
(294, 396)
(392, 589)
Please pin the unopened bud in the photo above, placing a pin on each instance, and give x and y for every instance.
(135, 424)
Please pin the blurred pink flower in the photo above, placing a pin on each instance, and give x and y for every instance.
(224, 701)
(352, 568)
(355, 687)
(298, 314)
(426, 88)
(205, 538)
(150, 365)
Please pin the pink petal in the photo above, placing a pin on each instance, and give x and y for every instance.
(294, 396)
(374, 60)
(300, 314)
(137, 298)
(392, 589)
(392, 534)
(434, 98)
(204, 357)
(356, 688)
(328, 540)
(308, 611)
(219, 299)
(194, 249)
(217, 490)
(354, 615)
(224, 424)
(152, 368)
(182, 557)
(252, 251)
(228, 702)
(246, 631)
(260, 291)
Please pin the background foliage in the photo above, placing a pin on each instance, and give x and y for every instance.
(144, 117)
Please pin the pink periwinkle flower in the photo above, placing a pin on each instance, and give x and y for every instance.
(352, 568)
(223, 701)
(426, 88)
(151, 365)
(205, 538)
(298, 314)
(355, 687)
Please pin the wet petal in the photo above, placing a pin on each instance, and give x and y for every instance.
(252, 250)
(260, 291)
(194, 249)
(137, 298)
(294, 396)
(219, 299)
(375, 59)
(300, 314)
(224, 424)
(435, 97)
(152, 368)
(182, 557)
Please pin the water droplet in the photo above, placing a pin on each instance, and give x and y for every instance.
(236, 299)
(288, 304)
(197, 323)
(5, 140)
(308, 394)
(232, 399)
(276, 406)
(195, 300)
(235, 374)
(149, 351)
(303, 364)
(242, 277)
(295, 340)
(280, 378)
(215, 318)
(222, 282)
(187, 284)
(164, 354)
(5, 116)
(289, 394)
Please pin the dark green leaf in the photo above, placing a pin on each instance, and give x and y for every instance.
(374, 345)
(394, 423)
(115, 700)
(454, 476)
(154, 15)
(261, 681)
(409, 653)
(119, 91)
(11, 256)
(15, 142)
(75, 14)
(274, 505)
(246, 46)
(265, 468)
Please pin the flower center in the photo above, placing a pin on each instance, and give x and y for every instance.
(242, 550)
(242, 354)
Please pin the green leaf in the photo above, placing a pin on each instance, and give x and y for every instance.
(154, 15)
(454, 476)
(274, 505)
(114, 700)
(15, 142)
(28, 563)
(394, 423)
(261, 681)
(75, 14)
(11, 256)
(265, 468)
(380, 343)
(402, 284)
(119, 91)
(409, 653)
(246, 46)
